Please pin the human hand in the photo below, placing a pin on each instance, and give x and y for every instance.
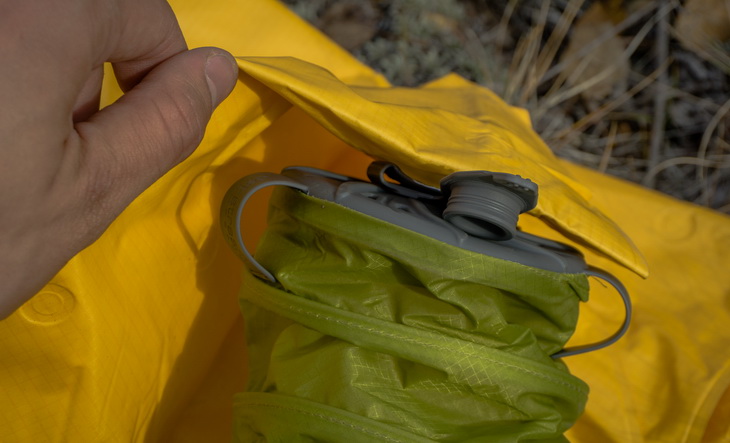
(66, 168)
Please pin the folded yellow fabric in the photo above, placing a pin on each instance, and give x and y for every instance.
(139, 337)
(450, 125)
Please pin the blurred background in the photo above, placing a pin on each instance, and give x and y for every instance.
(637, 89)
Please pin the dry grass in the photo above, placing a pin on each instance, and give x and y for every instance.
(663, 123)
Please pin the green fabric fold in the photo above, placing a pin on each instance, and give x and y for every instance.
(405, 331)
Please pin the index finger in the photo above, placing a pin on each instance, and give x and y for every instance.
(144, 34)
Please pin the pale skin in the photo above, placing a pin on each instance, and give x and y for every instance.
(67, 170)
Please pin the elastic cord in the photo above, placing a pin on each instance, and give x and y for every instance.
(613, 281)
(232, 211)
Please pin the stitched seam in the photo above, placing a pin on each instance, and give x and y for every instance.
(327, 418)
(286, 307)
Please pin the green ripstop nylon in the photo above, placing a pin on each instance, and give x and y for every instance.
(377, 333)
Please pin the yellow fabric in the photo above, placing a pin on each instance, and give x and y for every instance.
(668, 380)
(450, 125)
(139, 337)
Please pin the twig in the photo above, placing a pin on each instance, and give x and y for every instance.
(610, 106)
(556, 95)
(609, 147)
(713, 189)
(660, 98)
(705, 142)
(676, 161)
(527, 60)
(546, 56)
(502, 29)
(629, 21)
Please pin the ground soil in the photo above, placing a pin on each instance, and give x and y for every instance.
(614, 85)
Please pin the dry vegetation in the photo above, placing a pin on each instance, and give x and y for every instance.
(638, 89)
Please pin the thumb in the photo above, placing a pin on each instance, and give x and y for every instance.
(133, 142)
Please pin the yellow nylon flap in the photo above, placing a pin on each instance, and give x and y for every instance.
(449, 125)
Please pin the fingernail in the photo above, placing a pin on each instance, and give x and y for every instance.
(221, 72)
